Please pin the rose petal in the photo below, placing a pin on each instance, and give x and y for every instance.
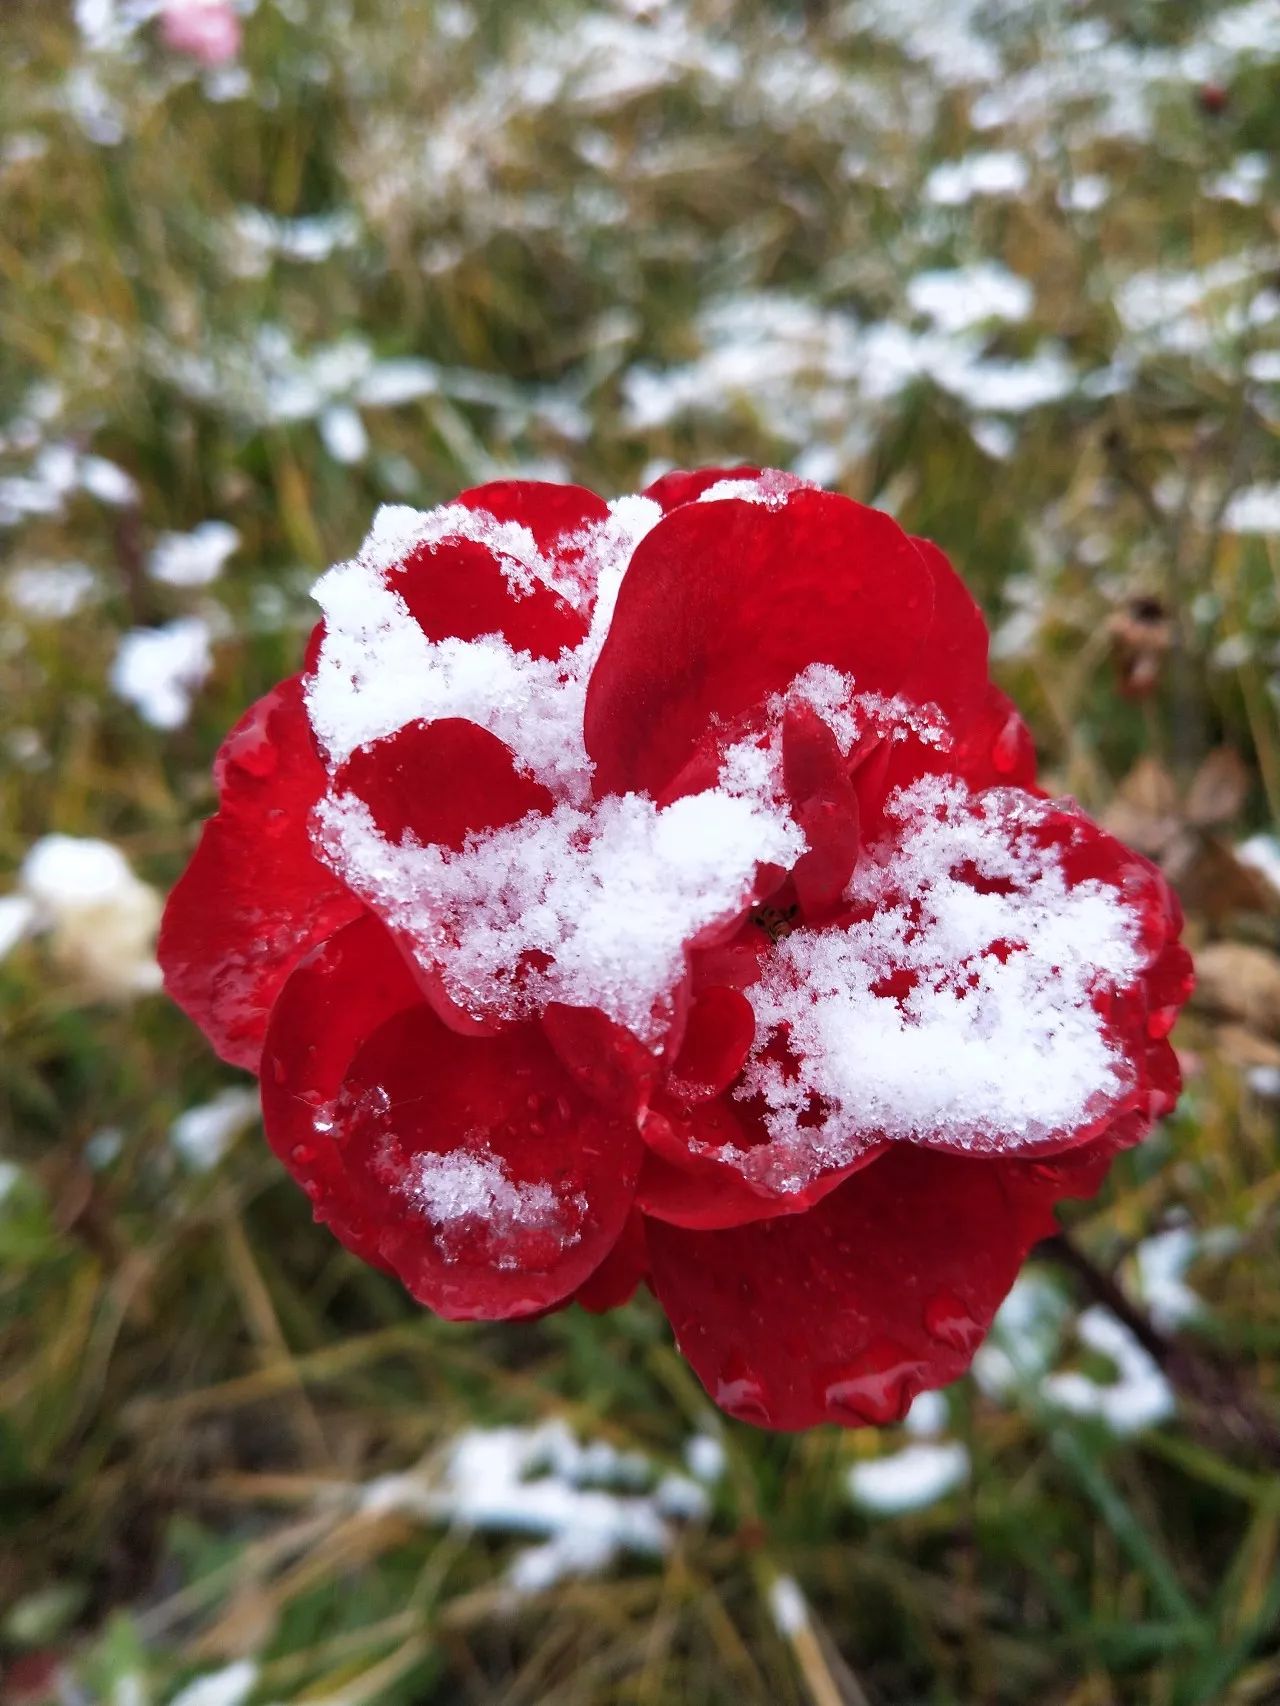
(461, 589)
(254, 898)
(554, 514)
(498, 1187)
(844, 1313)
(987, 742)
(340, 993)
(440, 781)
(717, 1038)
(622, 1270)
(686, 486)
(708, 1166)
(603, 1058)
(818, 579)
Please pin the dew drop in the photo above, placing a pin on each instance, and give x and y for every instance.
(252, 751)
(740, 1392)
(1160, 1021)
(949, 1319)
(877, 1388)
(1004, 751)
(302, 1154)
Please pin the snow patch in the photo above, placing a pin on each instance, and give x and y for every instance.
(203, 1135)
(994, 1049)
(159, 671)
(195, 558)
(542, 1481)
(909, 1480)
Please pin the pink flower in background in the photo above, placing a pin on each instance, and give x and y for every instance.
(207, 30)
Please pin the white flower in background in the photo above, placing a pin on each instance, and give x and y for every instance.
(100, 919)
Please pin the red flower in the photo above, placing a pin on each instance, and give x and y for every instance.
(659, 890)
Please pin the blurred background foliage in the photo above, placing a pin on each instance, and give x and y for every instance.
(1009, 268)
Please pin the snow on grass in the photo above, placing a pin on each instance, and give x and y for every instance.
(202, 1135)
(50, 592)
(788, 1607)
(100, 919)
(585, 1501)
(230, 1686)
(997, 172)
(159, 671)
(1139, 1397)
(963, 297)
(1256, 509)
(909, 1480)
(195, 558)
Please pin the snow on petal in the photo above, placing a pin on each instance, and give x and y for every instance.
(988, 1049)
(378, 671)
(589, 906)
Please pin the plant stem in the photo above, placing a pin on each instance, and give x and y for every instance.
(1221, 1407)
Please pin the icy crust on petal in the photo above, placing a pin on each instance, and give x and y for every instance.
(965, 1005)
(590, 906)
(376, 670)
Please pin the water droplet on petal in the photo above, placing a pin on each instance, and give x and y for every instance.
(1160, 1021)
(740, 1392)
(877, 1388)
(1005, 749)
(949, 1319)
(302, 1154)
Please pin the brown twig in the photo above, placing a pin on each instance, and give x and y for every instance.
(1221, 1407)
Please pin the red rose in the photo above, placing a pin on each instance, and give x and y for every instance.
(659, 890)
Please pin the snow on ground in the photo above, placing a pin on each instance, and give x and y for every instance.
(589, 1504)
